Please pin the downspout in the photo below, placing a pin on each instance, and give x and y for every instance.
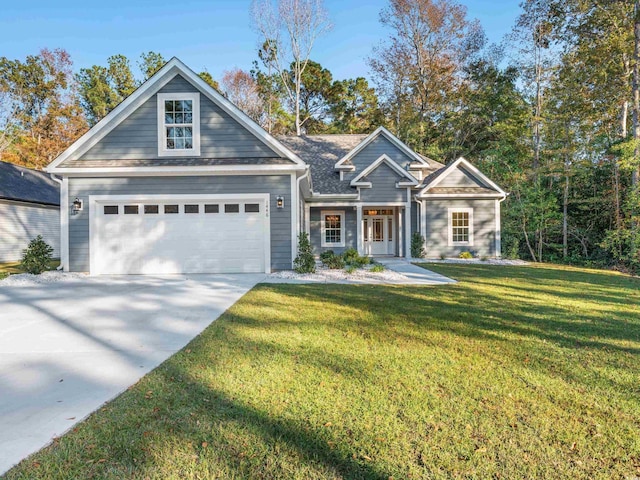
(59, 180)
(306, 175)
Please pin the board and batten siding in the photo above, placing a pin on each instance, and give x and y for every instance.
(350, 229)
(383, 186)
(22, 222)
(136, 137)
(459, 178)
(437, 234)
(280, 219)
(374, 150)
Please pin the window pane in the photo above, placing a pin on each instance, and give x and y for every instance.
(179, 144)
(171, 132)
(188, 118)
(171, 144)
(188, 143)
(191, 208)
(110, 209)
(187, 105)
(187, 132)
(150, 209)
(168, 118)
(171, 209)
(211, 208)
(251, 207)
(390, 235)
(130, 209)
(178, 106)
(231, 208)
(168, 106)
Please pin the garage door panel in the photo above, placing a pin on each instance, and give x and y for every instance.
(163, 243)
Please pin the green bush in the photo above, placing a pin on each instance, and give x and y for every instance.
(352, 258)
(334, 262)
(377, 268)
(466, 255)
(417, 246)
(327, 255)
(350, 269)
(37, 256)
(304, 262)
(443, 256)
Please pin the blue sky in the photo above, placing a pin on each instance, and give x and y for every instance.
(213, 35)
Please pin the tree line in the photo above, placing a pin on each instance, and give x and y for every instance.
(551, 113)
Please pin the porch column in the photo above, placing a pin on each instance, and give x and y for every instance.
(407, 226)
(359, 230)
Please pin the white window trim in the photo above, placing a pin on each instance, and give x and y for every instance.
(323, 241)
(162, 132)
(450, 226)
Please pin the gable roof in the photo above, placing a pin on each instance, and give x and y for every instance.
(172, 68)
(26, 185)
(358, 181)
(430, 183)
(344, 162)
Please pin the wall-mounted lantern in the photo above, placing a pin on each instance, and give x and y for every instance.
(280, 201)
(77, 206)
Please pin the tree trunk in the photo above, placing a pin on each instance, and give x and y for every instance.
(565, 197)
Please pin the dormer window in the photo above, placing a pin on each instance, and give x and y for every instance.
(178, 124)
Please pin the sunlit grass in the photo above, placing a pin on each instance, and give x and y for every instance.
(515, 372)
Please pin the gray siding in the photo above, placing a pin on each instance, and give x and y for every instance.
(383, 180)
(414, 217)
(350, 229)
(373, 151)
(137, 136)
(274, 185)
(20, 223)
(460, 178)
(438, 227)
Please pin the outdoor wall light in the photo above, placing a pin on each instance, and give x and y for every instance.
(280, 202)
(77, 206)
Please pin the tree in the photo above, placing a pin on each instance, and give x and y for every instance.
(206, 76)
(354, 107)
(290, 30)
(47, 112)
(242, 89)
(150, 63)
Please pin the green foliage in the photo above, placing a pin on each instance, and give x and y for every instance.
(304, 261)
(466, 255)
(378, 268)
(37, 256)
(327, 254)
(417, 246)
(332, 261)
(443, 256)
(351, 257)
(150, 63)
(350, 269)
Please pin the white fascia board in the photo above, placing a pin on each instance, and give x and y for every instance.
(348, 168)
(362, 184)
(148, 89)
(389, 136)
(177, 171)
(460, 195)
(474, 171)
(394, 166)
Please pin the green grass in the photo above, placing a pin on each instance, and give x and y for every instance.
(12, 268)
(515, 372)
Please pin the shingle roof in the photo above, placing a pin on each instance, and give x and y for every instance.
(24, 184)
(321, 152)
(461, 190)
(174, 162)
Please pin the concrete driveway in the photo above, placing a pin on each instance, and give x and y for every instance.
(68, 347)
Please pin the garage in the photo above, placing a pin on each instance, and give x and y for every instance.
(172, 234)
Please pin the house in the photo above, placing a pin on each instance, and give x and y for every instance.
(29, 206)
(177, 179)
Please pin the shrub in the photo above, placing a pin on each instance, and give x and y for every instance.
(327, 255)
(466, 255)
(377, 268)
(352, 258)
(443, 256)
(350, 269)
(417, 246)
(304, 262)
(37, 256)
(484, 258)
(334, 262)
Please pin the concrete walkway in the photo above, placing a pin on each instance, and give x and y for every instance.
(68, 347)
(416, 275)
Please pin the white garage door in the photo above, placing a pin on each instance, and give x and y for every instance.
(178, 234)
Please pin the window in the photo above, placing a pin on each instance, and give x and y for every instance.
(178, 124)
(231, 208)
(251, 207)
(191, 208)
(332, 228)
(460, 226)
(171, 209)
(384, 211)
(131, 209)
(110, 209)
(150, 209)
(211, 208)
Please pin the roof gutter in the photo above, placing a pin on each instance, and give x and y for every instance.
(59, 180)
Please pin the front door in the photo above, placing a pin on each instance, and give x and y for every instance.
(379, 232)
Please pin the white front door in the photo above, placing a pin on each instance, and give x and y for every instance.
(379, 233)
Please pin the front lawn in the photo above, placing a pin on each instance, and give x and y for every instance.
(515, 372)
